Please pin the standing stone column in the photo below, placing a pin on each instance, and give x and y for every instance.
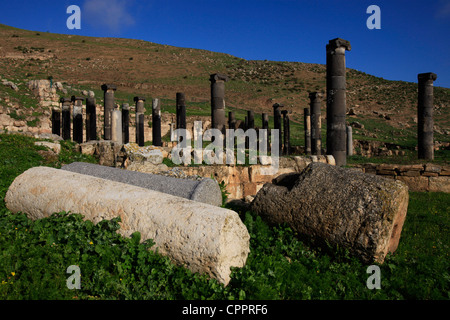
(277, 123)
(425, 115)
(125, 123)
(181, 110)
(116, 125)
(77, 119)
(218, 101)
(56, 122)
(66, 123)
(307, 125)
(140, 110)
(231, 120)
(286, 133)
(336, 100)
(109, 106)
(265, 125)
(91, 119)
(156, 123)
(349, 141)
(316, 123)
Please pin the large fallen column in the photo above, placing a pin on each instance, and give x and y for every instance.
(324, 203)
(206, 190)
(204, 238)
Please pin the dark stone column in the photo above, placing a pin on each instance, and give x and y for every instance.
(336, 100)
(231, 120)
(316, 123)
(56, 122)
(181, 110)
(250, 119)
(77, 119)
(218, 101)
(156, 123)
(265, 125)
(140, 129)
(286, 133)
(425, 115)
(307, 125)
(109, 106)
(66, 123)
(277, 123)
(91, 119)
(140, 110)
(125, 123)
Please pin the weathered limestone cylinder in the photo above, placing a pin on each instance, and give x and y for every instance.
(116, 125)
(181, 110)
(204, 238)
(307, 125)
(125, 123)
(56, 122)
(206, 190)
(91, 119)
(336, 100)
(66, 123)
(156, 123)
(286, 133)
(108, 90)
(218, 101)
(316, 123)
(425, 115)
(328, 204)
(77, 119)
(140, 110)
(349, 141)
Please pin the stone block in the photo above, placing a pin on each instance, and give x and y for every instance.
(411, 173)
(440, 184)
(415, 183)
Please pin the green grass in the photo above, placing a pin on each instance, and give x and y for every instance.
(36, 254)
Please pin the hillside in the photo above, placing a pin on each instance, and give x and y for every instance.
(386, 109)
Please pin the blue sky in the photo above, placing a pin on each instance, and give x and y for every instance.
(414, 35)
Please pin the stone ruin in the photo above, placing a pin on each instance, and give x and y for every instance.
(362, 212)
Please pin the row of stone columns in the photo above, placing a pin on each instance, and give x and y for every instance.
(339, 135)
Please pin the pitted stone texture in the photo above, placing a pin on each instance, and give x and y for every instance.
(204, 238)
(206, 190)
(358, 211)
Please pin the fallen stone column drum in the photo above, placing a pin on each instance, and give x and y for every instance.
(327, 204)
(204, 238)
(206, 190)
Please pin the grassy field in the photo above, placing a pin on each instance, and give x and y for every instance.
(36, 254)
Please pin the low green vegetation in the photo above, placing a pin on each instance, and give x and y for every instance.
(35, 255)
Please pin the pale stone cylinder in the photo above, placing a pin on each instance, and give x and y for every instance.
(116, 125)
(202, 237)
